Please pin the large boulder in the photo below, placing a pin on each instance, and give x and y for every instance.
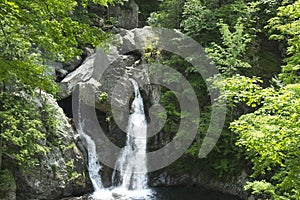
(61, 172)
(124, 58)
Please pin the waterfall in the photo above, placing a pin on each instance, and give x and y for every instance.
(132, 162)
(130, 174)
(93, 164)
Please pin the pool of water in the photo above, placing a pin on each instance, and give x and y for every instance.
(183, 193)
(162, 193)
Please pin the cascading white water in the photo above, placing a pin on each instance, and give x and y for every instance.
(93, 164)
(132, 162)
(131, 178)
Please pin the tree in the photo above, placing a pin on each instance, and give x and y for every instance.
(285, 27)
(270, 135)
(230, 56)
(31, 31)
(263, 118)
(169, 14)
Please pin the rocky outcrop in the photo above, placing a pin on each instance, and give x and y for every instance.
(124, 58)
(127, 15)
(234, 185)
(61, 172)
(113, 88)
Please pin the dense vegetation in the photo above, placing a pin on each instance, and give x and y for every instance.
(254, 44)
(33, 33)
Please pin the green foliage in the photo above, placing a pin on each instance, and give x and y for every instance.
(199, 21)
(103, 97)
(50, 123)
(26, 75)
(145, 9)
(285, 26)
(261, 186)
(7, 182)
(239, 88)
(70, 167)
(169, 15)
(85, 3)
(270, 136)
(170, 104)
(265, 119)
(230, 56)
(48, 25)
(32, 31)
(21, 129)
(28, 129)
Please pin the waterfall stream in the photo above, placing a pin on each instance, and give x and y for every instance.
(93, 164)
(132, 163)
(130, 174)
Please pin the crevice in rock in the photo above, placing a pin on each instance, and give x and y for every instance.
(135, 53)
(66, 105)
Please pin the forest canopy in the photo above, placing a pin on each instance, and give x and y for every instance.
(255, 44)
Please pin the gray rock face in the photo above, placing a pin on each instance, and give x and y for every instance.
(81, 74)
(123, 61)
(127, 15)
(61, 172)
(73, 64)
(233, 186)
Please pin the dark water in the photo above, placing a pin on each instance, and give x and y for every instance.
(165, 193)
(182, 193)
(170, 193)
